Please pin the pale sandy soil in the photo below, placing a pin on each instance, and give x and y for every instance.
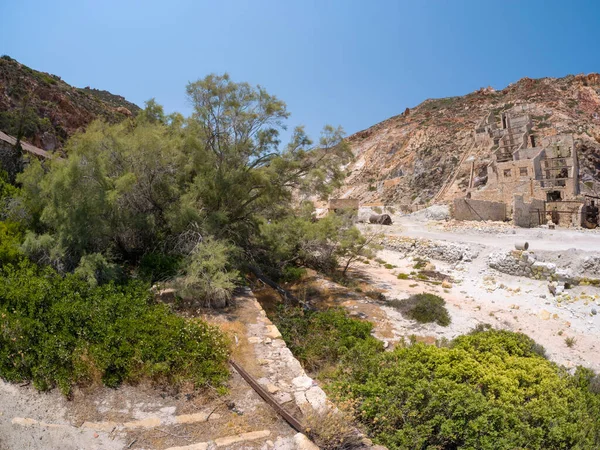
(482, 295)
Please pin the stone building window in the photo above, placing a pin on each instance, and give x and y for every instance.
(523, 171)
(507, 173)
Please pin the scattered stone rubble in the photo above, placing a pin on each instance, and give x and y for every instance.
(591, 265)
(434, 212)
(525, 264)
(449, 252)
(478, 227)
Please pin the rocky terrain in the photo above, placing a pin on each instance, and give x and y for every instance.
(406, 160)
(549, 292)
(49, 109)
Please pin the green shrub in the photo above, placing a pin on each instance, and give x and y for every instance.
(487, 390)
(425, 308)
(377, 209)
(61, 331)
(155, 266)
(389, 266)
(209, 277)
(321, 339)
(10, 242)
(292, 273)
(420, 263)
(403, 276)
(95, 269)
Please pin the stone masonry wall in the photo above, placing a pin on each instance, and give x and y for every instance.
(526, 215)
(442, 251)
(469, 209)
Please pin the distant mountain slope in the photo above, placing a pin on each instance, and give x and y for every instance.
(407, 159)
(49, 109)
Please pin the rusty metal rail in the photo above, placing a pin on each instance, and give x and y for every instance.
(294, 423)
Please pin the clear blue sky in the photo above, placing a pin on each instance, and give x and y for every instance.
(349, 63)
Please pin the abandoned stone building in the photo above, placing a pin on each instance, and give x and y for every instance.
(544, 169)
(11, 160)
(534, 169)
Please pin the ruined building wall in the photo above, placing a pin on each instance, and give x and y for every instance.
(469, 209)
(569, 213)
(528, 214)
(509, 178)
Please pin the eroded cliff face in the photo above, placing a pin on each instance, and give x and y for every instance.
(407, 159)
(49, 109)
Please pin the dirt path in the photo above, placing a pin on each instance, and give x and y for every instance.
(538, 238)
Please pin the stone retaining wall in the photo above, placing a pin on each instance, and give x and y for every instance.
(449, 252)
(525, 264)
(469, 209)
(284, 377)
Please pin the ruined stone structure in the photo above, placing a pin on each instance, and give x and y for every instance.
(536, 169)
(528, 214)
(480, 210)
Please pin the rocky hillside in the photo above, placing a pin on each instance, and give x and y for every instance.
(406, 159)
(49, 109)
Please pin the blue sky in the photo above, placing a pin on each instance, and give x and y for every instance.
(349, 63)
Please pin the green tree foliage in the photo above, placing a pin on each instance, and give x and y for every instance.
(208, 274)
(58, 330)
(10, 243)
(113, 192)
(320, 244)
(161, 184)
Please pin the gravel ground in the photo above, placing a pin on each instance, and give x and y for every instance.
(483, 295)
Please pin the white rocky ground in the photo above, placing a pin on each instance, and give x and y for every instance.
(520, 300)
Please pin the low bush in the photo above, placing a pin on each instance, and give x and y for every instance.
(155, 266)
(59, 331)
(209, 277)
(403, 276)
(292, 273)
(10, 242)
(322, 339)
(489, 389)
(425, 308)
(376, 295)
(486, 390)
(333, 430)
(419, 263)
